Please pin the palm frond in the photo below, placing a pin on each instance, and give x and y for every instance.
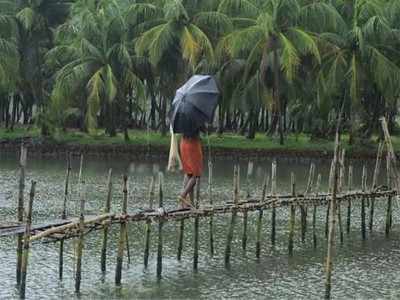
(237, 8)
(290, 59)
(305, 43)
(96, 88)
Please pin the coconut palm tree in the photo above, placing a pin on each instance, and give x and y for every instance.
(359, 62)
(174, 42)
(274, 43)
(96, 66)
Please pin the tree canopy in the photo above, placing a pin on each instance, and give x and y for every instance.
(283, 66)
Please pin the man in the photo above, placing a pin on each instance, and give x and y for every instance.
(192, 165)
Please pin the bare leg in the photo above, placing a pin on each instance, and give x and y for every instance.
(189, 186)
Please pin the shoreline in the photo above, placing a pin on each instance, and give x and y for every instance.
(50, 148)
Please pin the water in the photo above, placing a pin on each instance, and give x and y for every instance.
(361, 269)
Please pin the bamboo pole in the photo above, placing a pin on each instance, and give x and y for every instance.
(234, 213)
(196, 228)
(375, 183)
(349, 187)
(314, 218)
(20, 209)
(292, 216)
(210, 197)
(64, 216)
(303, 209)
(26, 241)
(330, 185)
(260, 216)
(388, 219)
(79, 247)
(122, 233)
(160, 225)
(273, 193)
(181, 231)
(332, 223)
(105, 224)
(340, 189)
(363, 180)
(148, 224)
(245, 214)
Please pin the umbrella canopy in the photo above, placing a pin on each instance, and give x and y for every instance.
(194, 104)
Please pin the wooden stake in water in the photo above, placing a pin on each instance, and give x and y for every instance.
(106, 224)
(234, 213)
(388, 221)
(160, 225)
(79, 247)
(250, 168)
(349, 187)
(245, 214)
(148, 223)
(375, 183)
(314, 218)
(181, 231)
(122, 233)
(210, 197)
(340, 188)
(303, 209)
(20, 209)
(260, 216)
(64, 216)
(273, 193)
(364, 180)
(27, 235)
(332, 223)
(330, 185)
(292, 216)
(196, 228)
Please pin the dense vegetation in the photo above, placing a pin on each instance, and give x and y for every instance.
(283, 66)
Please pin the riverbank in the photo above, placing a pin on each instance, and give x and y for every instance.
(143, 143)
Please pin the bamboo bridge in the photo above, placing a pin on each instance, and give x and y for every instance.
(339, 194)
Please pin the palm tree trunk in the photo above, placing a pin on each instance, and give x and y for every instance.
(276, 94)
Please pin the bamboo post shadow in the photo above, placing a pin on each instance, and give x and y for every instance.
(148, 224)
(196, 227)
(364, 181)
(107, 209)
(122, 233)
(79, 247)
(210, 198)
(292, 216)
(260, 216)
(231, 228)
(332, 221)
(160, 225)
(375, 183)
(388, 219)
(349, 187)
(26, 242)
(314, 218)
(273, 193)
(20, 209)
(64, 216)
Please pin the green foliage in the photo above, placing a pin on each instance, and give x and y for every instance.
(116, 64)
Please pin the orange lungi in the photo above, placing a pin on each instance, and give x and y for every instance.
(191, 156)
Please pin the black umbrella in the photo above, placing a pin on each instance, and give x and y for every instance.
(194, 104)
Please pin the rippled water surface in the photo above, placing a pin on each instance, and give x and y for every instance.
(362, 270)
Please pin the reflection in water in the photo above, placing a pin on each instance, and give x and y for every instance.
(362, 269)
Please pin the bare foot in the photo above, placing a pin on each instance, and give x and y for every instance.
(185, 203)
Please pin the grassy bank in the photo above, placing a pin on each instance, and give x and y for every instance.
(226, 141)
